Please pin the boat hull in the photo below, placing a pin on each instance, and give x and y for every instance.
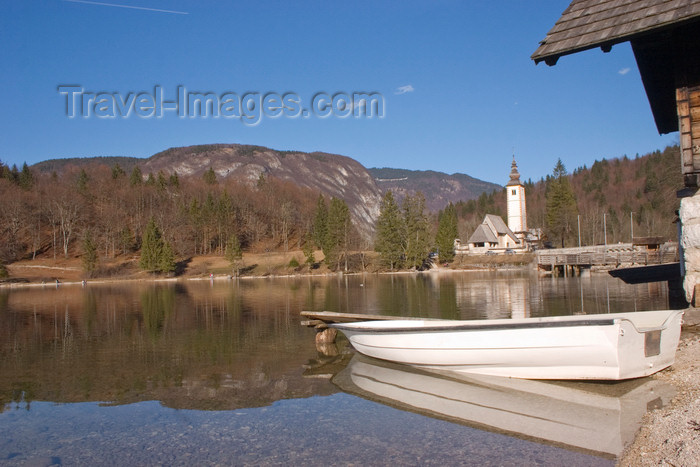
(601, 347)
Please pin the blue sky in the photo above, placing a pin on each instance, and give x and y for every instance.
(460, 92)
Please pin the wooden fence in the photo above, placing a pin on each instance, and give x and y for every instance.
(606, 256)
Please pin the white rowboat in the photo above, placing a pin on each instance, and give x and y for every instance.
(613, 346)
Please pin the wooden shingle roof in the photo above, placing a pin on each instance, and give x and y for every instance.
(587, 24)
(483, 234)
(497, 222)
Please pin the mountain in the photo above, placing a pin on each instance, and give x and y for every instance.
(331, 174)
(439, 188)
(60, 165)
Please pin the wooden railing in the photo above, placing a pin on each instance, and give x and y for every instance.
(611, 255)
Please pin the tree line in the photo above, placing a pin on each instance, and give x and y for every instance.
(97, 211)
(405, 235)
(611, 201)
(105, 209)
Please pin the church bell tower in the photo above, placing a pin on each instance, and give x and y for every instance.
(517, 218)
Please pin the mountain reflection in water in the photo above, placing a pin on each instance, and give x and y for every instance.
(226, 346)
(188, 346)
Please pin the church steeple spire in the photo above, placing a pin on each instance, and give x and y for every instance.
(515, 198)
(514, 174)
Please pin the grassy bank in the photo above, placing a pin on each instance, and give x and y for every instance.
(252, 265)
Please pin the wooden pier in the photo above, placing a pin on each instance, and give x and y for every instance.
(569, 261)
(320, 320)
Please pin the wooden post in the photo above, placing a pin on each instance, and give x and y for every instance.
(676, 294)
(326, 335)
(688, 107)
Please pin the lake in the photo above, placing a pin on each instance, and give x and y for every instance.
(221, 372)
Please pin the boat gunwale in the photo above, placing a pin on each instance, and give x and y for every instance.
(431, 325)
(472, 326)
(662, 327)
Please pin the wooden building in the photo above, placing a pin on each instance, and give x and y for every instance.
(665, 39)
(647, 243)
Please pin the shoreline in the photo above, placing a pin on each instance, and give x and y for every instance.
(670, 435)
(224, 277)
(43, 271)
(21, 282)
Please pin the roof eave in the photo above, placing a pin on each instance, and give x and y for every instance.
(553, 58)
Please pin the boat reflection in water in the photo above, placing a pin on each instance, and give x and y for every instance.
(601, 418)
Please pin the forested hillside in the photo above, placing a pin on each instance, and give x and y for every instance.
(59, 165)
(636, 194)
(106, 209)
(52, 215)
(332, 174)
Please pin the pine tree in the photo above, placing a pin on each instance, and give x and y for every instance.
(447, 233)
(26, 177)
(166, 260)
(14, 174)
(136, 177)
(233, 253)
(82, 182)
(224, 214)
(560, 204)
(5, 173)
(151, 247)
(338, 232)
(117, 172)
(89, 258)
(321, 223)
(209, 176)
(417, 246)
(390, 233)
(308, 249)
(161, 182)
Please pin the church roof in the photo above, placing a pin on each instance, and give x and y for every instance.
(498, 224)
(489, 230)
(483, 234)
(587, 24)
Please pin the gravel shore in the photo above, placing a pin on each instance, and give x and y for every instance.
(671, 435)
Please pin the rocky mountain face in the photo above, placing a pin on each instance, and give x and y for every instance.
(439, 188)
(330, 174)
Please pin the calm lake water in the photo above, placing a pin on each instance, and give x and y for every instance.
(221, 372)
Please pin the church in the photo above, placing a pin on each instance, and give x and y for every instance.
(493, 235)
